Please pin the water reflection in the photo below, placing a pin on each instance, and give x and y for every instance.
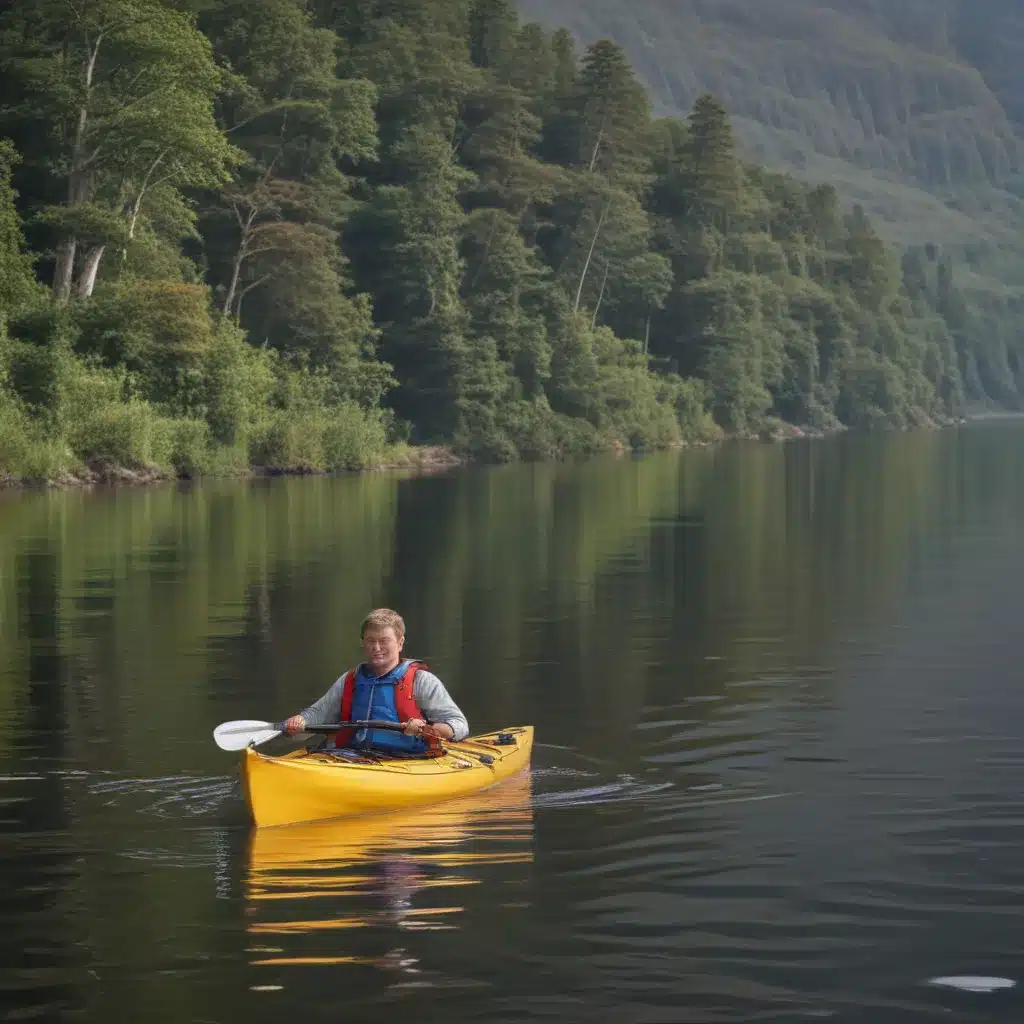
(309, 886)
(776, 693)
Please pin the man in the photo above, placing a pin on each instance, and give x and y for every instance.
(386, 688)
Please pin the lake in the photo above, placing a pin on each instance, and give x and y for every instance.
(778, 770)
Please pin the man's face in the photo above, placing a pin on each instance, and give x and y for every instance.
(382, 648)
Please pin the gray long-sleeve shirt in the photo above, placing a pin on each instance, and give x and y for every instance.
(428, 691)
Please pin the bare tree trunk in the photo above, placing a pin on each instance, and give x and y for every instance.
(590, 255)
(240, 255)
(133, 209)
(133, 217)
(597, 145)
(600, 296)
(236, 269)
(647, 334)
(64, 272)
(67, 250)
(90, 268)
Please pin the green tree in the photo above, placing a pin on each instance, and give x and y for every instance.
(405, 247)
(127, 87)
(437, 207)
(867, 266)
(711, 174)
(493, 28)
(272, 235)
(613, 113)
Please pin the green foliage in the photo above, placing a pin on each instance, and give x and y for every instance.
(304, 431)
(191, 454)
(112, 432)
(914, 110)
(16, 281)
(65, 413)
(287, 233)
(26, 453)
(124, 90)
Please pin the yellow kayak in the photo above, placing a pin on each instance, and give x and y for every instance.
(304, 786)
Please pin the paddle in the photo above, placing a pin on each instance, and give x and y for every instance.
(239, 735)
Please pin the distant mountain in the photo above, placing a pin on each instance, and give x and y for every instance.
(915, 108)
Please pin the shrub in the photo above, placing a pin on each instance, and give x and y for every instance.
(25, 452)
(105, 426)
(353, 437)
(190, 447)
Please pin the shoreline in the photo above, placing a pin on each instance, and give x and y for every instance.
(422, 460)
(419, 459)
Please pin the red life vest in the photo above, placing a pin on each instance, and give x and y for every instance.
(405, 703)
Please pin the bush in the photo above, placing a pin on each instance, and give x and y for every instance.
(631, 401)
(25, 452)
(190, 447)
(688, 397)
(37, 356)
(238, 381)
(105, 427)
(305, 431)
(353, 438)
(128, 435)
(575, 437)
(319, 438)
(162, 331)
(288, 440)
(531, 429)
(872, 392)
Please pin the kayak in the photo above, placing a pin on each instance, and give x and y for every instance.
(311, 786)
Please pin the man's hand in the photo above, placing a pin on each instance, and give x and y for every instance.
(295, 724)
(439, 730)
(417, 727)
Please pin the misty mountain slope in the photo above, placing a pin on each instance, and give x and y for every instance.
(913, 109)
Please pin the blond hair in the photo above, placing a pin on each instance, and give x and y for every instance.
(383, 618)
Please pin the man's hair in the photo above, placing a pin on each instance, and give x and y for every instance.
(383, 618)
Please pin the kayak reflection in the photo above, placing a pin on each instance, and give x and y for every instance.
(316, 892)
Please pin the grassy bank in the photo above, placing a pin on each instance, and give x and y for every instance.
(415, 458)
(45, 464)
(98, 435)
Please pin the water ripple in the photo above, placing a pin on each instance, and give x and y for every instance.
(170, 795)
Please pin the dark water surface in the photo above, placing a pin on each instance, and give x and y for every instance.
(779, 708)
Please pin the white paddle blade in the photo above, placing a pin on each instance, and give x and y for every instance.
(238, 735)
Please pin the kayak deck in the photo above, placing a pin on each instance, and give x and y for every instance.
(304, 786)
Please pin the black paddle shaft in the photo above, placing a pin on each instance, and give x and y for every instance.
(393, 726)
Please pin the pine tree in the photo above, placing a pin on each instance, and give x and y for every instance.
(493, 28)
(711, 171)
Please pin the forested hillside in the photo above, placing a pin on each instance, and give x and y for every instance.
(294, 234)
(914, 109)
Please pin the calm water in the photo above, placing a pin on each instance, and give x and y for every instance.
(779, 711)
